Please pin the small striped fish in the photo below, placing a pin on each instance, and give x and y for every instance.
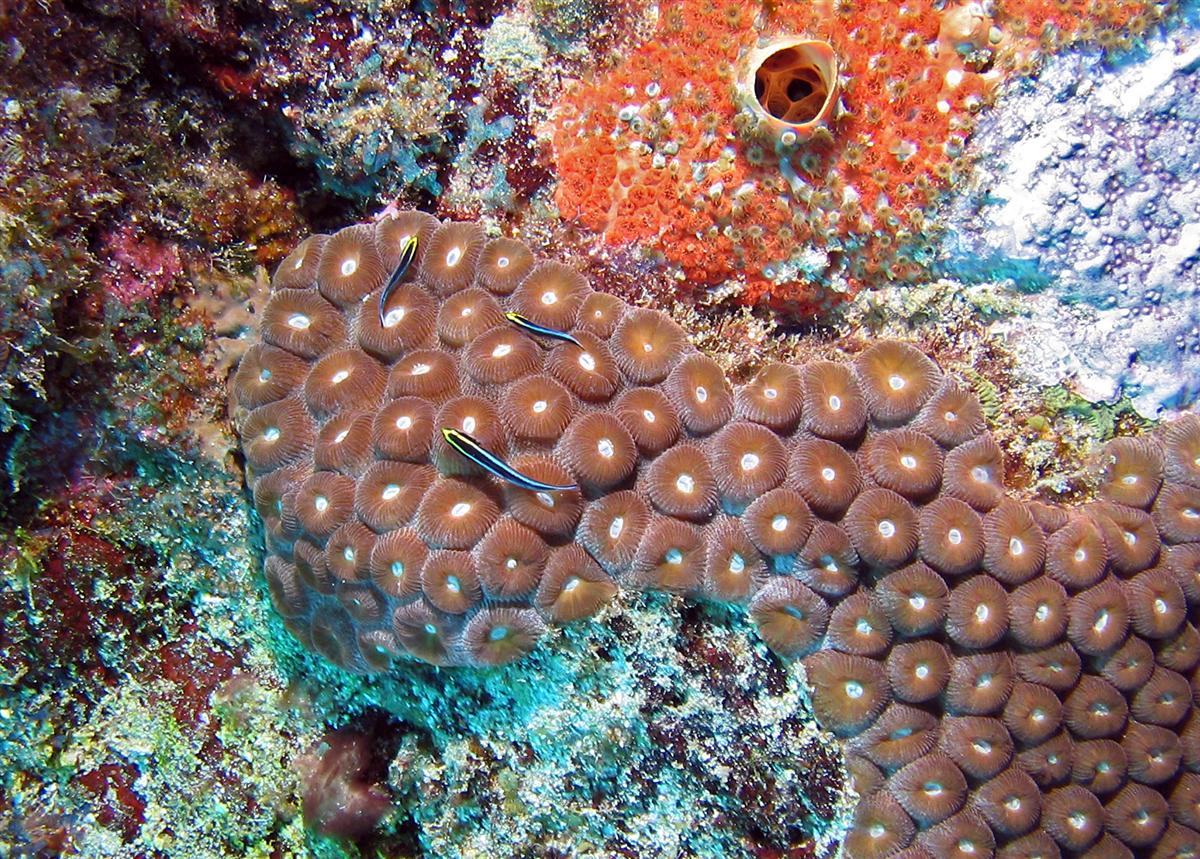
(488, 461)
(408, 252)
(528, 325)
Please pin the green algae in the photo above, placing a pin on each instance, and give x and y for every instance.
(988, 393)
(1102, 419)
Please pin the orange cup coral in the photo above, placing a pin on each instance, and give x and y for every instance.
(799, 149)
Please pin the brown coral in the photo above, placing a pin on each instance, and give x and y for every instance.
(992, 658)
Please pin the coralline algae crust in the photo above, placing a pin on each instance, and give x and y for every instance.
(1089, 198)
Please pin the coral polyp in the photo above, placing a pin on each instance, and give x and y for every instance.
(930, 595)
(797, 152)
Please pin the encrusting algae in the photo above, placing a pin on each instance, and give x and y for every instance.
(857, 511)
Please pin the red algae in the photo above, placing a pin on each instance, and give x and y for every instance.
(339, 798)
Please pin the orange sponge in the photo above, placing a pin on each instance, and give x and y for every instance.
(694, 146)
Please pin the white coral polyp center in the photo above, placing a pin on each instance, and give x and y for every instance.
(421, 369)
(770, 393)
(980, 474)
(390, 492)
(349, 266)
(502, 262)
(394, 317)
(606, 448)
(454, 257)
(549, 297)
(339, 377)
(954, 536)
(1015, 547)
(502, 351)
(587, 362)
(460, 510)
(701, 394)
(468, 424)
(887, 528)
(750, 461)
(649, 416)
(299, 321)
(616, 527)
(828, 474)
(835, 403)
(404, 422)
(685, 483)
(540, 406)
(896, 382)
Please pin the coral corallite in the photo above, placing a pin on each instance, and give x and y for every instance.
(989, 660)
(799, 145)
